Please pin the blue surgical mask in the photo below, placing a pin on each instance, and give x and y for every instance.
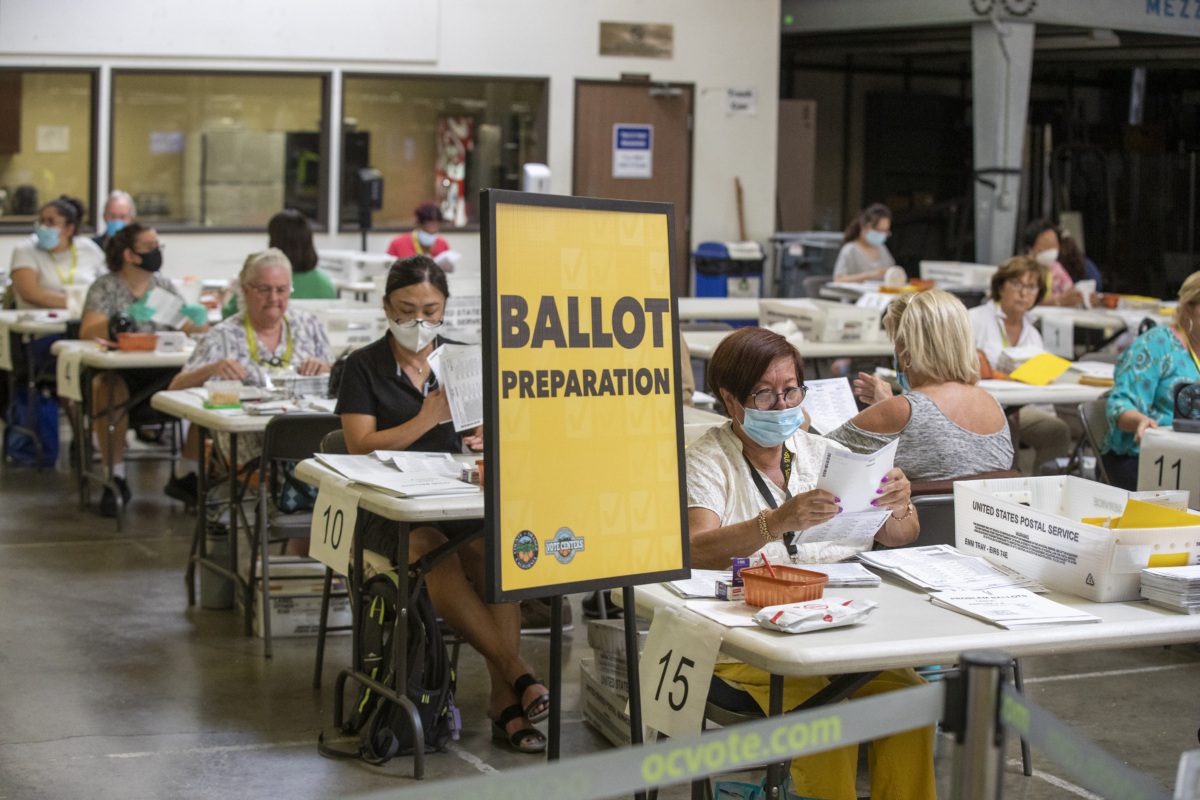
(426, 238)
(772, 428)
(901, 377)
(47, 238)
(876, 238)
(113, 225)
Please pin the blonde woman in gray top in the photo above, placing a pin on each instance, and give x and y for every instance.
(947, 426)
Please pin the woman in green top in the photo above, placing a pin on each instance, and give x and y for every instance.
(290, 232)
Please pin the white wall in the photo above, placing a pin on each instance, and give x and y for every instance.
(718, 44)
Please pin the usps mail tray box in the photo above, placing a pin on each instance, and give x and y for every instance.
(822, 320)
(958, 273)
(1033, 526)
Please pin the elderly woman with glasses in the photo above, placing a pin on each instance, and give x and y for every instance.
(1003, 321)
(751, 482)
(264, 338)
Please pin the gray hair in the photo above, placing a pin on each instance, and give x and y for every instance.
(257, 262)
(117, 194)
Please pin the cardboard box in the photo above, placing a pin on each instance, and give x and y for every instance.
(602, 708)
(296, 586)
(958, 273)
(354, 266)
(1033, 526)
(823, 320)
(608, 635)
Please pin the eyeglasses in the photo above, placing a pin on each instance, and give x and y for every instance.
(1021, 286)
(266, 291)
(792, 396)
(427, 324)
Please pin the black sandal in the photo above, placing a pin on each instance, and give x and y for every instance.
(537, 709)
(525, 740)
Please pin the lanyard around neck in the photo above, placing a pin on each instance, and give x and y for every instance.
(1191, 351)
(785, 464)
(70, 279)
(417, 244)
(252, 344)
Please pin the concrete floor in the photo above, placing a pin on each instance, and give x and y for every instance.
(111, 687)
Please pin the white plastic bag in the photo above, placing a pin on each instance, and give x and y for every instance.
(814, 615)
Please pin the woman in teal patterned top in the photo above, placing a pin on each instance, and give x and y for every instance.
(1145, 380)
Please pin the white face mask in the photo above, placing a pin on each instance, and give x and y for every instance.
(415, 334)
(1047, 257)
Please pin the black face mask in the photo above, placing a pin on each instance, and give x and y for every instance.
(152, 261)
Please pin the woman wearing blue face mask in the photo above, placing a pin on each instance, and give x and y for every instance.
(864, 255)
(54, 257)
(748, 483)
(423, 240)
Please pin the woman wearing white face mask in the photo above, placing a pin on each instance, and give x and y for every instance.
(749, 482)
(864, 255)
(389, 401)
(54, 257)
(423, 240)
(1042, 244)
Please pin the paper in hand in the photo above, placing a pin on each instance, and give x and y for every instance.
(829, 403)
(854, 477)
(167, 307)
(459, 370)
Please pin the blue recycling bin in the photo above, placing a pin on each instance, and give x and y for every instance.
(728, 269)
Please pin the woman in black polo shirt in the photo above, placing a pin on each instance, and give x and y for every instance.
(388, 400)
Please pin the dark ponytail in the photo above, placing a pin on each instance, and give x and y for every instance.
(867, 218)
(414, 270)
(70, 209)
(119, 242)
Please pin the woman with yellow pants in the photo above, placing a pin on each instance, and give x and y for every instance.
(752, 480)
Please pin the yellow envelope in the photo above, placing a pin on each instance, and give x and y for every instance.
(1139, 514)
(1041, 370)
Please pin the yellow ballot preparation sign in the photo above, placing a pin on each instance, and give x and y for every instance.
(582, 409)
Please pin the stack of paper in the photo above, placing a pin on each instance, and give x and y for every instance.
(370, 471)
(1176, 588)
(1010, 608)
(703, 583)
(849, 573)
(829, 403)
(941, 567)
(459, 370)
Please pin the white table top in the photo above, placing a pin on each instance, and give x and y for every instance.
(1015, 393)
(46, 322)
(1093, 319)
(402, 509)
(190, 406)
(96, 357)
(741, 308)
(908, 630)
(701, 344)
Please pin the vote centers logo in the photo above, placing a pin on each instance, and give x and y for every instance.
(564, 545)
(525, 549)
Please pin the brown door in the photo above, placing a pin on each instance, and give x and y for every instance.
(601, 151)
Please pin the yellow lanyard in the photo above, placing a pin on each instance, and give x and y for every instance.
(417, 245)
(70, 279)
(1191, 352)
(252, 344)
(1003, 333)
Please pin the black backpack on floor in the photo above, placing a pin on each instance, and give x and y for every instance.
(381, 725)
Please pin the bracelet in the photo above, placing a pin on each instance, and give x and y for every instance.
(907, 514)
(762, 527)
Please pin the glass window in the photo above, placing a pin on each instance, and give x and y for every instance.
(46, 121)
(218, 150)
(438, 140)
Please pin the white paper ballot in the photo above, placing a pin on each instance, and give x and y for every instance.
(372, 472)
(459, 370)
(854, 477)
(167, 308)
(829, 403)
(442, 464)
(852, 530)
(1086, 289)
(1011, 608)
